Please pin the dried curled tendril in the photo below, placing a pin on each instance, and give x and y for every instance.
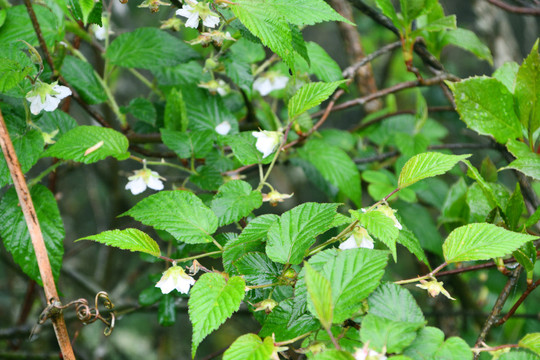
(85, 313)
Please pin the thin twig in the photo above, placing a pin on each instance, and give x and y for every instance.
(36, 235)
(351, 70)
(523, 296)
(515, 9)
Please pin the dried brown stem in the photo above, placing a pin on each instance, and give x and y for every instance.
(36, 235)
(515, 9)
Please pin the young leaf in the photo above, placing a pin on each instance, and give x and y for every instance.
(531, 342)
(527, 92)
(28, 144)
(16, 238)
(235, 200)
(527, 161)
(322, 65)
(320, 296)
(311, 95)
(212, 301)
(335, 166)
(128, 239)
(392, 335)
(78, 145)
(388, 10)
(514, 209)
(138, 49)
(467, 40)
(380, 226)
(426, 165)
(250, 346)
(295, 232)
(353, 275)
(454, 348)
(395, 303)
(481, 242)
(487, 107)
(186, 217)
(408, 239)
(506, 74)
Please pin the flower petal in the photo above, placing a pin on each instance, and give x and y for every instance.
(51, 103)
(62, 91)
(136, 186)
(211, 21)
(224, 127)
(154, 182)
(350, 243)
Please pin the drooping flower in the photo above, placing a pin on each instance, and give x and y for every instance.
(142, 179)
(215, 36)
(389, 212)
(216, 86)
(269, 82)
(434, 288)
(175, 278)
(267, 141)
(359, 238)
(223, 128)
(46, 96)
(193, 10)
(275, 197)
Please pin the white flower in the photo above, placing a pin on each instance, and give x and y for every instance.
(193, 10)
(269, 82)
(142, 179)
(223, 128)
(267, 141)
(368, 354)
(388, 211)
(216, 86)
(46, 96)
(274, 197)
(99, 31)
(175, 278)
(359, 238)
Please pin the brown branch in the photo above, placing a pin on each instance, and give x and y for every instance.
(523, 296)
(39, 35)
(501, 300)
(351, 70)
(36, 235)
(515, 9)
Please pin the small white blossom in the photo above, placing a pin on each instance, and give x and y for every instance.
(368, 354)
(269, 82)
(193, 10)
(216, 86)
(46, 96)
(274, 197)
(175, 278)
(223, 128)
(359, 238)
(388, 211)
(267, 141)
(434, 288)
(142, 179)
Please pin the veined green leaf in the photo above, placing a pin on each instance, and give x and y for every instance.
(82, 77)
(289, 319)
(527, 161)
(531, 342)
(128, 239)
(487, 107)
(28, 145)
(333, 355)
(430, 344)
(14, 66)
(235, 199)
(295, 232)
(467, 40)
(175, 117)
(306, 12)
(212, 301)
(506, 74)
(481, 242)
(258, 269)
(383, 333)
(527, 93)
(393, 302)
(426, 165)
(250, 346)
(89, 144)
(322, 65)
(311, 95)
(320, 296)
(380, 226)
(181, 213)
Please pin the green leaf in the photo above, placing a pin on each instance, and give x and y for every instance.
(288, 320)
(167, 310)
(527, 161)
(333, 355)
(244, 149)
(306, 12)
(426, 165)
(265, 22)
(444, 23)
(408, 239)
(353, 275)
(388, 10)
(56, 121)
(467, 40)
(411, 9)
(514, 209)
(175, 117)
(527, 93)
(150, 296)
(79, 143)
(487, 107)
(454, 348)
(239, 72)
(322, 65)
(19, 27)
(86, 7)
(148, 48)
(128, 239)
(381, 333)
(473, 173)
(14, 65)
(518, 355)
(320, 296)
(298, 43)
(335, 166)
(393, 302)
(235, 199)
(295, 232)
(28, 146)
(481, 242)
(250, 346)
(380, 226)
(16, 237)
(258, 269)
(186, 145)
(531, 342)
(506, 74)
(186, 218)
(142, 109)
(212, 301)
(247, 51)
(206, 111)
(311, 95)
(526, 256)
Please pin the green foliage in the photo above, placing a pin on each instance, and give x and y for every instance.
(532, 342)
(14, 66)
(427, 165)
(320, 296)
(392, 335)
(81, 75)
(309, 96)
(250, 346)
(235, 200)
(186, 218)
(213, 300)
(128, 239)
